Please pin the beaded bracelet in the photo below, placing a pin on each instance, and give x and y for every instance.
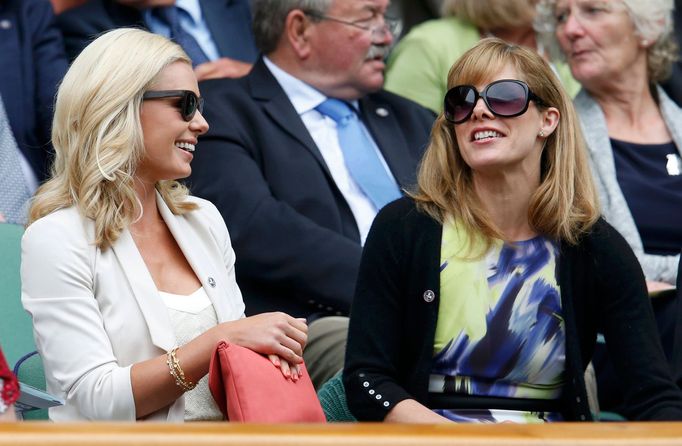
(176, 371)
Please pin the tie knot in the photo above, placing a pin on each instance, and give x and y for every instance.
(340, 111)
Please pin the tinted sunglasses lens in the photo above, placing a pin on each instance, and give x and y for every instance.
(190, 102)
(459, 102)
(507, 98)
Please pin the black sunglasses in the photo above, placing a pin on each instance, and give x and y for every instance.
(506, 98)
(189, 101)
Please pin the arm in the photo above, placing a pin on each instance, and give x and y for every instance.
(59, 290)
(630, 330)
(49, 62)
(375, 355)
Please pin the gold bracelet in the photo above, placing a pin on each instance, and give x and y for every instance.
(177, 372)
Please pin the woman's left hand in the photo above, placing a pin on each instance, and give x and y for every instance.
(288, 370)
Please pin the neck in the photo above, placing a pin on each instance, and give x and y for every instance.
(506, 199)
(151, 217)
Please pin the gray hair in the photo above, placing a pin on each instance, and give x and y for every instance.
(652, 20)
(269, 18)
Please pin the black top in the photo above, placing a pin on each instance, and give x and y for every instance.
(650, 176)
(394, 314)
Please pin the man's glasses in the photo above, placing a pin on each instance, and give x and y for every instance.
(378, 30)
(189, 101)
(505, 98)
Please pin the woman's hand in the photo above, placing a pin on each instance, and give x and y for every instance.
(8, 415)
(288, 370)
(269, 334)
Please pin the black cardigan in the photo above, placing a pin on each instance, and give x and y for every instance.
(394, 314)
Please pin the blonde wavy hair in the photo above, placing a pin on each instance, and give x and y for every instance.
(563, 207)
(97, 134)
(492, 14)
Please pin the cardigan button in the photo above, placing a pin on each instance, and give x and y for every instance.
(582, 417)
(429, 296)
(577, 399)
(386, 403)
(365, 384)
(371, 391)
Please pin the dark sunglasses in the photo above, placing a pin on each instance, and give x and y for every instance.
(189, 101)
(506, 98)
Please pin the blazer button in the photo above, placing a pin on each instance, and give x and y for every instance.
(429, 296)
(211, 281)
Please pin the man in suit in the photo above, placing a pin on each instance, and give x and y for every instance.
(33, 61)
(272, 162)
(221, 28)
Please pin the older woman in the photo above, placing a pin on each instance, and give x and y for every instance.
(418, 66)
(479, 298)
(129, 280)
(619, 50)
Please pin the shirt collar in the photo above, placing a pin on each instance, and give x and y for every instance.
(303, 97)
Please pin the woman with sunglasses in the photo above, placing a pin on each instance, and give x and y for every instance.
(479, 297)
(130, 281)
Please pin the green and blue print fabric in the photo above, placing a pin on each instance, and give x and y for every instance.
(500, 330)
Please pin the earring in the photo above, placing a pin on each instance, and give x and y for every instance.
(645, 42)
(541, 134)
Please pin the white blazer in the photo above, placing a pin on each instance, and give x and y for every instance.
(95, 313)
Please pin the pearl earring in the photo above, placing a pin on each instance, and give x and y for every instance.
(645, 42)
(541, 134)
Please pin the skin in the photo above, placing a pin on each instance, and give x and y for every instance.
(277, 335)
(8, 415)
(609, 58)
(349, 71)
(506, 172)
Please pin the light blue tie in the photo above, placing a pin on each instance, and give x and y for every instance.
(14, 193)
(170, 16)
(359, 154)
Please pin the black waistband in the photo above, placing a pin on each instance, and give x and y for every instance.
(458, 401)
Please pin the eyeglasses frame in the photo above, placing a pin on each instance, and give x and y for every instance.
(183, 95)
(530, 96)
(390, 25)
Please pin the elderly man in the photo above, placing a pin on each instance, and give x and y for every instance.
(215, 34)
(304, 150)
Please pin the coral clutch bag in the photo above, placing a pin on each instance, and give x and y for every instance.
(247, 387)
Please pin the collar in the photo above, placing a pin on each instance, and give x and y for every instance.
(303, 97)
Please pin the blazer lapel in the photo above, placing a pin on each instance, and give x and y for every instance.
(266, 90)
(191, 244)
(387, 133)
(145, 292)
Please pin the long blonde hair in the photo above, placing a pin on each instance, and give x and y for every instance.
(97, 134)
(565, 204)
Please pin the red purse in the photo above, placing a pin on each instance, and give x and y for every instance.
(247, 387)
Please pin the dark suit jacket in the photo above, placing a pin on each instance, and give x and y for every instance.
(33, 63)
(228, 20)
(296, 240)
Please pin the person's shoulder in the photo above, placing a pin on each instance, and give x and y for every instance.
(65, 225)
(437, 30)
(206, 211)
(401, 211)
(401, 104)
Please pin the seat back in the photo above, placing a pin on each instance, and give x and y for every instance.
(16, 332)
(16, 329)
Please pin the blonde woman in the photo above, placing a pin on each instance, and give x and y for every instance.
(130, 281)
(492, 280)
(418, 66)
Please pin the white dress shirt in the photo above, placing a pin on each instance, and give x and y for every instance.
(323, 131)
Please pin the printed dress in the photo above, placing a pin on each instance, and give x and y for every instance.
(500, 331)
